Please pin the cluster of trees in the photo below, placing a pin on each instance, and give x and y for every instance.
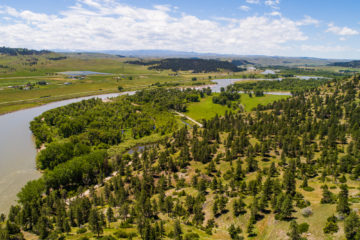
(57, 58)
(351, 64)
(192, 64)
(226, 97)
(170, 99)
(288, 84)
(21, 51)
(311, 137)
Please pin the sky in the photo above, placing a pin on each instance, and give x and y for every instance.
(307, 28)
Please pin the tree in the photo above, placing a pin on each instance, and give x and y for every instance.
(331, 225)
(289, 181)
(120, 88)
(215, 208)
(2, 217)
(177, 230)
(239, 207)
(234, 232)
(343, 200)
(294, 233)
(286, 208)
(327, 196)
(66, 226)
(43, 227)
(110, 215)
(352, 227)
(95, 222)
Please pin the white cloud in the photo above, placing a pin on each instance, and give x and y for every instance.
(272, 3)
(342, 31)
(308, 21)
(244, 8)
(108, 24)
(275, 13)
(253, 1)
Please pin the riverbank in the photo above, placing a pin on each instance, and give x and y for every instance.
(18, 167)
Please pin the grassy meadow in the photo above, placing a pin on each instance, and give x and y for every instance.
(206, 109)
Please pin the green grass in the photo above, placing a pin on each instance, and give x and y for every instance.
(252, 102)
(206, 109)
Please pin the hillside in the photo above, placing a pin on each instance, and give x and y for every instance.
(350, 64)
(190, 64)
(260, 60)
(290, 168)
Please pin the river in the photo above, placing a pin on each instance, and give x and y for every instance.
(17, 148)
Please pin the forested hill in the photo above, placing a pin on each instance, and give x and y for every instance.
(21, 51)
(190, 64)
(288, 170)
(352, 64)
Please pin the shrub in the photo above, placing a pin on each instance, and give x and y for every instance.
(121, 234)
(303, 228)
(191, 236)
(81, 230)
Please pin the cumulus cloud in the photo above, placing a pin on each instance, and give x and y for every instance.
(275, 13)
(244, 8)
(253, 1)
(308, 21)
(342, 31)
(108, 24)
(272, 3)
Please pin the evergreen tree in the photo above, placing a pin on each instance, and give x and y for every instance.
(331, 225)
(343, 200)
(177, 230)
(327, 196)
(110, 215)
(352, 227)
(294, 233)
(95, 222)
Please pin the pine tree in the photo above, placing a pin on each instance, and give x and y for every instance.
(177, 230)
(352, 226)
(289, 181)
(331, 225)
(95, 222)
(43, 227)
(305, 183)
(66, 226)
(110, 215)
(239, 207)
(294, 233)
(286, 208)
(327, 196)
(343, 200)
(215, 208)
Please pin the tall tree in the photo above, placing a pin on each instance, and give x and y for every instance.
(95, 222)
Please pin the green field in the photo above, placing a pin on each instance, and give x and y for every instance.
(16, 74)
(252, 102)
(206, 109)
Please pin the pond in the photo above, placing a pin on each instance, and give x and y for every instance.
(82, 73)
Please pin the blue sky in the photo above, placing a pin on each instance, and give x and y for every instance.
(317, 28)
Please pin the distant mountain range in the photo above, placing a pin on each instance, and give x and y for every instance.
(261, 60)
